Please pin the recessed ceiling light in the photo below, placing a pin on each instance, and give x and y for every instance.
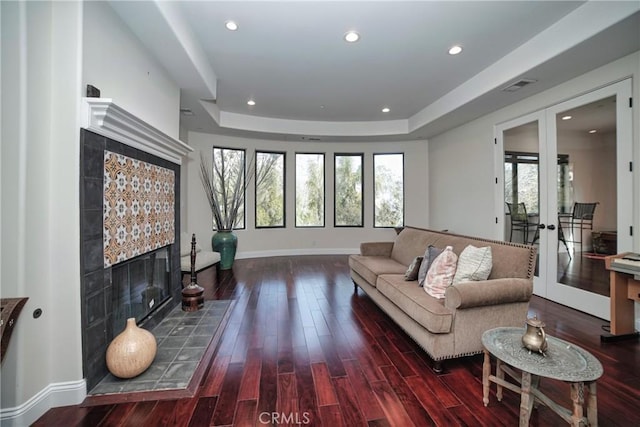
(251, 102)
(351, 37)
(593, 131)
(231, 25)
(386, 109)
(567, 117)
(455, 50)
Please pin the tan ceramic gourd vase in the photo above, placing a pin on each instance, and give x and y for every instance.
(131, 352)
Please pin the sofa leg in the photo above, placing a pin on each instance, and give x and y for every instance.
(437, 366)
(355, 287)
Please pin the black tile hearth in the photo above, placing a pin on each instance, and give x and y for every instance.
(183, 338)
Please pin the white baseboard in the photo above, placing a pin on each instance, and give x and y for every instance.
(292, 252)
(52, 396)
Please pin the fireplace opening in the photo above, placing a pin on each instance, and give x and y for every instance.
(140, 285)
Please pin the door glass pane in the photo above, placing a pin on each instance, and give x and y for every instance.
(521, 184)
(587, 202)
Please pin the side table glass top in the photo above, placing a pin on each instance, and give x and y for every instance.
(562, 360)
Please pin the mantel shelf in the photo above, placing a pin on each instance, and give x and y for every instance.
(104, 117)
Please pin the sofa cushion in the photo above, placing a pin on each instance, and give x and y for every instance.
(370, 267)
(412, 272)
(441, 272)
(473, 264)
(429, 312)
(430, 255)
(203, 259)
(410, 243)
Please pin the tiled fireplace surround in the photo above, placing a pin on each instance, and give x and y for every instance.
(96, 282)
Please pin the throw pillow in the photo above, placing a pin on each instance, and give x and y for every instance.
(414, 268)
(473, 264)
(441, 272)
(429, 256)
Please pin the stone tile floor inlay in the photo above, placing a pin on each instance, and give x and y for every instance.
(182, 338)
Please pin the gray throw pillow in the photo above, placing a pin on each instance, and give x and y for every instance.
(414, 268)
(429, 256)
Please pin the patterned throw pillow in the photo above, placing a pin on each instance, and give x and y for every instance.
(414, 268)
(473, 264)
(441, 272)
(429, 256)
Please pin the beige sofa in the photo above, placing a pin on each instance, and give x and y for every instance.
(450, 327)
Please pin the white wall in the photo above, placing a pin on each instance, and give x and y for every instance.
(41, 45)
(115, 61)
(45, 46)
(268, 242)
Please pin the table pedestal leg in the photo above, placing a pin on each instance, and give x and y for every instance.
(486, 371)
(577, 397)
(592, 405)
(500, 376)
(535, 384)
(526, 399)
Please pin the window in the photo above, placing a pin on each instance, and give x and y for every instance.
(388, 178)
(348, 190)
(521, 180)
(229, 179)
(270, 185)
(309, 190)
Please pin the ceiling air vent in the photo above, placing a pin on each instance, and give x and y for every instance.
(518, 85)
(186, 111)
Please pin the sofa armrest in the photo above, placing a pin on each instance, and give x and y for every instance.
(376, 248)
(488, 292)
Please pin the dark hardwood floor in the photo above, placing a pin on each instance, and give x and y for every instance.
(301, 348)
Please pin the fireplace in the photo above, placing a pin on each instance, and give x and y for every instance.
(139, 286)
(130, 260)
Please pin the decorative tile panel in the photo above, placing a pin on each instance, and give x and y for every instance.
(138, 207)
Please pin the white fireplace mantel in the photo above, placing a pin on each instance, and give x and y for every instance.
(102, 116)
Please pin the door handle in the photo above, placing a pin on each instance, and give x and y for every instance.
(542, 226)
(551, 227)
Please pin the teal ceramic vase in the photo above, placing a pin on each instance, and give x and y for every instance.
(225, 242)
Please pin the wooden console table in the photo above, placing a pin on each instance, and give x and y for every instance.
(562, 361)
(624, 289)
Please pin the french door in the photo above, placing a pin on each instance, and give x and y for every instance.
(578, 151)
